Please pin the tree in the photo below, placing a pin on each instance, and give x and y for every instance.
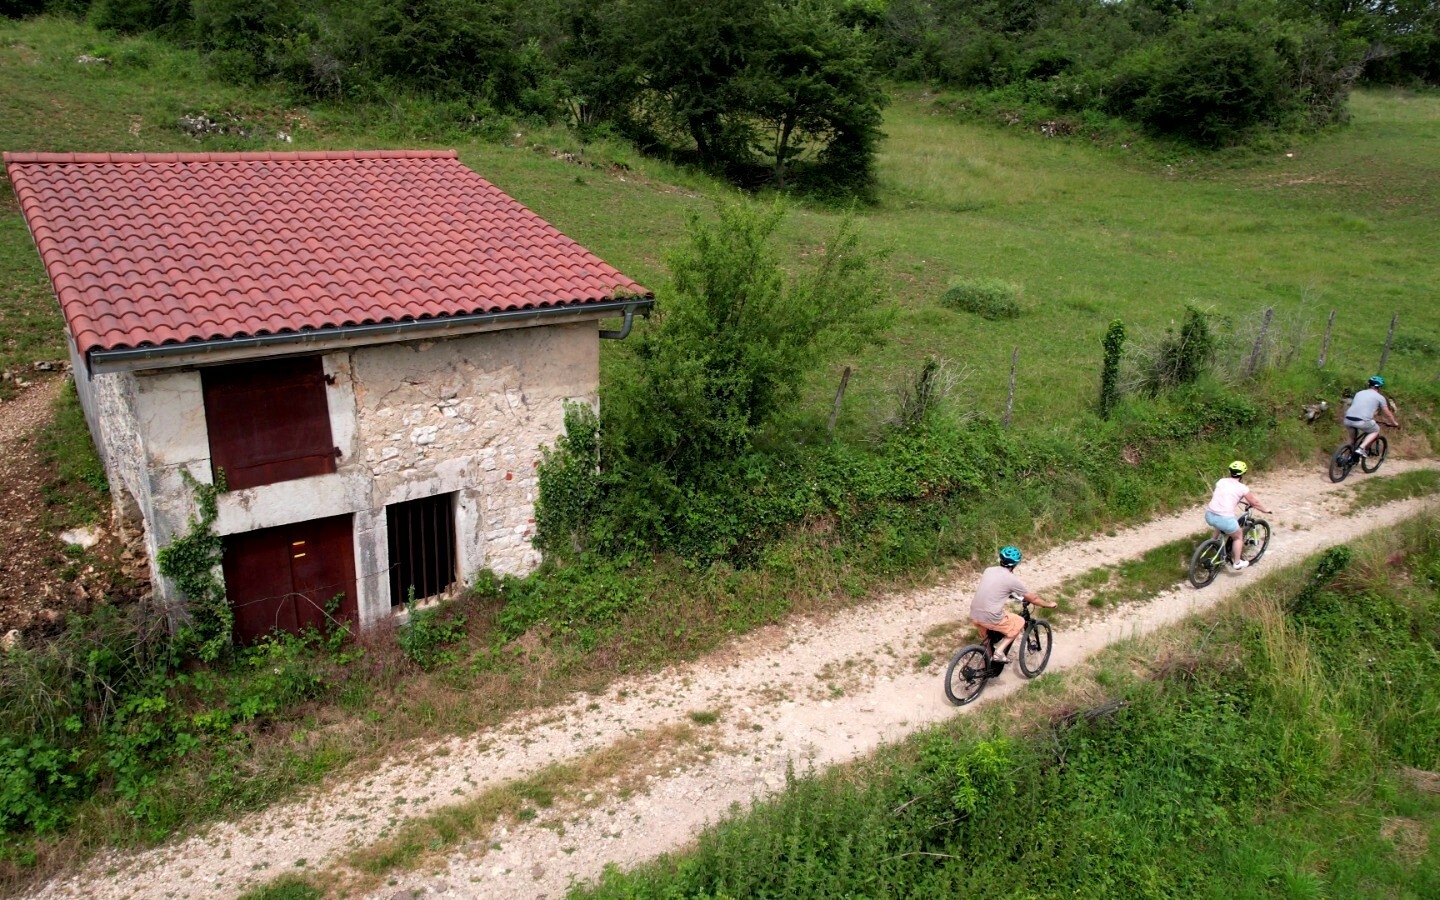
(735, 338)
(756, 86)
(810, 86)
(689, 56)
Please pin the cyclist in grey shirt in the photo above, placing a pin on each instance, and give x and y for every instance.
(987, 609)
(1365, 407)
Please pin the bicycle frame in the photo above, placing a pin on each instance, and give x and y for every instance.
(1244, 519)
(988, 639)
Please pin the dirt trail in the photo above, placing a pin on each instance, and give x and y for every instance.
(29, 586)
(806, 694)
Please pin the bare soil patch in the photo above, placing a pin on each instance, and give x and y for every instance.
(41, 580)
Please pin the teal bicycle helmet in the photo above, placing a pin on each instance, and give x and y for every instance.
(1376, 381)
(1009, 557)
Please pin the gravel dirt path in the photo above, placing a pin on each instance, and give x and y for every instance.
(29, 587)
(808, 694)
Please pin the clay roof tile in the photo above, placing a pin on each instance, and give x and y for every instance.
(154, 248)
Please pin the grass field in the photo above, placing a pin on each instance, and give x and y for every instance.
(1087, 233)
(1346, 221)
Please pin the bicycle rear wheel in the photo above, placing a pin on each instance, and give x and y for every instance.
(1375, 455)
(1208, 559)
(1035, 645)
(966, 675)
(1341, 463)
(1257, 538)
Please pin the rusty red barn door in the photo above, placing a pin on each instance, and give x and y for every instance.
(268, 421)
(282, 578)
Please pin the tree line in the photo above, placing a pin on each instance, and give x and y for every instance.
(789, 93)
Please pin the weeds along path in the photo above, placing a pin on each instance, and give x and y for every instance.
(650, 762)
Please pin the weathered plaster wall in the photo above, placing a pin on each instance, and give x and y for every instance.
(140, 426)
(466, 415)
(469, 415)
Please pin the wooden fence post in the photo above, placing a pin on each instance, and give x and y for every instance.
(839, 395)
(1259, 343)
(1010, 401)
(1390, 336)
(1325, 347)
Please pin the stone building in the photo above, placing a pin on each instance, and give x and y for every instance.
(372, 347)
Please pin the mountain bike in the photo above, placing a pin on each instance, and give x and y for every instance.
(1213, 554)
(973, 665)
(1345, 456)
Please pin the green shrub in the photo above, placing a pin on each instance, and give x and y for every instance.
(1181, 358)
(286, 887)
(1110, 371)
(39, 782)
(428, 632)
(988, 298)
(135, 16)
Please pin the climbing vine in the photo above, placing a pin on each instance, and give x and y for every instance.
(191, 561)
(1110, 375)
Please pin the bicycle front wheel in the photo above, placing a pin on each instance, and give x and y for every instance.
(966, 675)
(1257, 538)
(1375, 456)
(1340, 463)
(1035, 646)
(1208, 559)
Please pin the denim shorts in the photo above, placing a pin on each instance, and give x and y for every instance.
(1226, 524)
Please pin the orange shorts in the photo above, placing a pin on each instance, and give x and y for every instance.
(1010, 626)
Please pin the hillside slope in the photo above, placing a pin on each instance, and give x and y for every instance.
(620, 778)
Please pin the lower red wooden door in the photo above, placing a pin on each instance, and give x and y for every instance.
(283, 578)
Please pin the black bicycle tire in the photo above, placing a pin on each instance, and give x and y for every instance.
(981, 674)
(1038, 631)
(1371, 461)
(1201, 573)
(1340, 463)
(1264, 542)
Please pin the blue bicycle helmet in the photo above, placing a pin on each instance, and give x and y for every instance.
(1376, 381)
(1009, 557)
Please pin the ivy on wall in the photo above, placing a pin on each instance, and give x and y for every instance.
(192, 561)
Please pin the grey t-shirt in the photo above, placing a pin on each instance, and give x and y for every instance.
(996, 585)
(1366, 405)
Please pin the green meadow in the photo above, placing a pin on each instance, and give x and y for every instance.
(1087, 233)
(1083, 233)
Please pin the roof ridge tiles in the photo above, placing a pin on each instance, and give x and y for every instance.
(23, 157)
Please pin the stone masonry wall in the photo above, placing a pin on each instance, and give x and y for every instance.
(469, 415)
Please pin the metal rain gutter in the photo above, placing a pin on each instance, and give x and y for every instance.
(624, 331)
(102, 361)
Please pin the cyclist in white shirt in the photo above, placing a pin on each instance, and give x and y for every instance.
(1222, 513)
(1363, 409)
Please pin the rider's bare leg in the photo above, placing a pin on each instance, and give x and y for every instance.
(1237, 542)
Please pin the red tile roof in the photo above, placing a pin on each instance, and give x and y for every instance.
(163, 248)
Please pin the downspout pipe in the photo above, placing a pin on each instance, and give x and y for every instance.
(625, 326)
